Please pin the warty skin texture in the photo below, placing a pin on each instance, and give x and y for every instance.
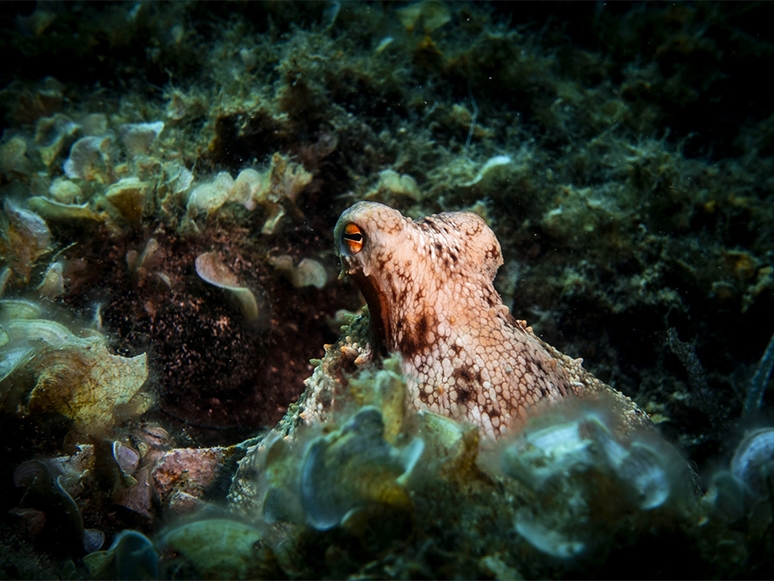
(428, 284)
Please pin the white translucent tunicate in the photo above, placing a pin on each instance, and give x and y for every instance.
(613, 451)
(557, 440)
(726, 494)
(544, 539)
(309, 272)
(392, 182)
(208, 197)
(11, 359)
(542, 454)
(276, 483)
(491, 164)
(210, 269)
(353, 467)
(753, 461)
(247, 187)
(88, 158)
(641, 468)
(132, 554)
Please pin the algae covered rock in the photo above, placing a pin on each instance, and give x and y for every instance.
(218, 548)
(24, 239)
(47, 368)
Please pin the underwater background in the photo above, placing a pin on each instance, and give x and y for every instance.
(170, 178)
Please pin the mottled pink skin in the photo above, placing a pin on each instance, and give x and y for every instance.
(428, 284)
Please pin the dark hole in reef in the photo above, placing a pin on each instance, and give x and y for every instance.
(217, 377)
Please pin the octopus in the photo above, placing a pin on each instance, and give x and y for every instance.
(429, 288)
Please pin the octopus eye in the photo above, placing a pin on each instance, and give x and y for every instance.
(353, 238)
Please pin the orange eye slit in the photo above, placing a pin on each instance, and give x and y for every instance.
(353, 238)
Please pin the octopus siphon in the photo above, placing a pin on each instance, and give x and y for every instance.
(429, 288)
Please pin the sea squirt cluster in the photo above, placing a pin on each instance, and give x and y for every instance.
(571, 453)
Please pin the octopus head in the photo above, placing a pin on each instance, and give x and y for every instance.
(404, 268)
(370, 242)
